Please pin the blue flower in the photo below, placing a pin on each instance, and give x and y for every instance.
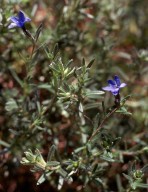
(19, 21)
(114, 86)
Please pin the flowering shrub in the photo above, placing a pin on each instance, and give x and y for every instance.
(55, 115)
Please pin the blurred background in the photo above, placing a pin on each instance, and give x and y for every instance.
(115, 34)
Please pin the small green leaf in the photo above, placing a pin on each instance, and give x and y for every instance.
(98, 181)
(88, 147)
(45, 86)
(123, 110)
(53, 163)
(127, 177)
(83, 62)
(11, 105)
(16, 77)
(95, 168)
(125, 99)
(79, 149)
(92, 105)
(62, 172)
(145, 169)
(90, 63)
(3, 143)
(51, 153)
(108, 157)
(93, 94)
(96, 121)
(60, 183)
(38, 32)
(55, 50)
(141, 185)
(133, 166)
(43, 177)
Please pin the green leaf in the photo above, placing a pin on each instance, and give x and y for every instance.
(47, 51)
(1, 18)
(123, 110)
(62, 172)
(90, 63)
(11, 105)
(98, 181)
(43, 177)
(95, 168)
(3, 143)
(45, 86)
(92, 105)
(16, 77)
(108, 157)
(133, 166)
(88, 147)
(69, 62)
(96, 121)
(145, 169)
(125, 99)
(83, 62)
(14, 132)
(93, 94)
(38, 32)
(55, 50)
(51, 153)
(127, 177)
(141, 185)
(53, 163)
(79, 149)
(60, 182)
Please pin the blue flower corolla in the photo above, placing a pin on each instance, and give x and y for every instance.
(114, 85)
(19, 21)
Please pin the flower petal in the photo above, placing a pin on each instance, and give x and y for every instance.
(14, 19)
(115, 92)
(117, 80)
(27, 19)
(114, 85)
(122, 85)
(21, 17)
(111, 82)
(112, 89)
(107, 88)
(12, 25)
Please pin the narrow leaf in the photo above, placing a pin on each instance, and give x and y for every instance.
(62, 172)
(127, 177)
(90, 63)
(53, 163)
(56, 50)
(38, 32)
(4, 143)
(51, 153)
(142, 185)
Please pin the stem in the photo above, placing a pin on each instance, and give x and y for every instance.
(102, 122)
(28, 34)
(117, 100)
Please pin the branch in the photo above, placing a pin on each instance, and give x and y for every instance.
(102, 123)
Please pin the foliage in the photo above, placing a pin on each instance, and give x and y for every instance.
(54, 115)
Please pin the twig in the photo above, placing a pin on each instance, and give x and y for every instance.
(102, 122)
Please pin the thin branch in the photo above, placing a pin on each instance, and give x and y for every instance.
(102, 123)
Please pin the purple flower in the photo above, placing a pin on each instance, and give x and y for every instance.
(114, 85)
(19, 21)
